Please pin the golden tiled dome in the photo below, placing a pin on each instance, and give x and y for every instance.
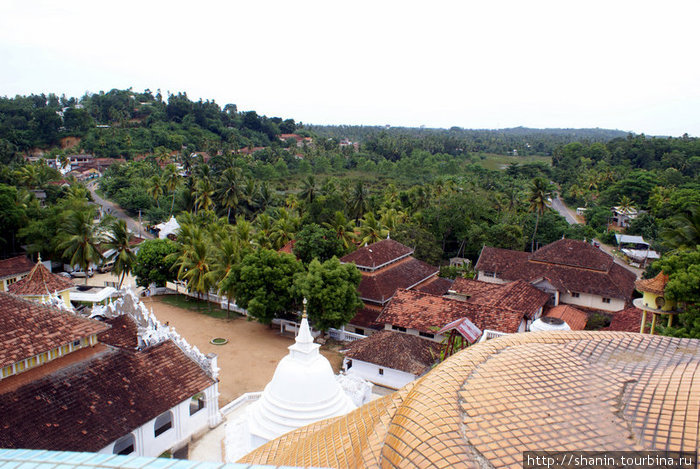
(534, 391)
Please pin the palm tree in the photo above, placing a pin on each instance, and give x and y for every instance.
(343, 228)
(119, 239)
(195, 266)
(359, 201)
(171, 179)
(155, 188)
(308, 189)
(79, 239)
(205, 193)
(372, 230)
(684, 232)
(263, 225)
(540, 191)
(228, 189)
(225, 256)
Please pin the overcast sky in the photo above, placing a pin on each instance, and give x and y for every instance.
(628, 65)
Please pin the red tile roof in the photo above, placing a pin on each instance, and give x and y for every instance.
(367, 317)
(395, 350)
(379, 287)
(28, 329)
(88, 405)
(123, 332)
(15, 266)
(575, 318)
(40, 282)
(627, 320)
(573, 253)
(425, 312)
(518, 296)
(378, 254)
(579, 275)
(655, 285)
(288, 248)
(436, 286)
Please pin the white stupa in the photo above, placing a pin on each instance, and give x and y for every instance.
(546, 323)
(303, 390)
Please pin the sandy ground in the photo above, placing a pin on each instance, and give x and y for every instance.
(247, 361)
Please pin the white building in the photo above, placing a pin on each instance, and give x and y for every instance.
(125, 385)
(302, 391)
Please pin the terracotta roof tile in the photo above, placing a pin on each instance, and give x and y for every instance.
(40, 282)
(518, 296)
(469, 287)
(627, 320)
(15, 266)
(288, 248)
(28, 328)
(377, 254)
(367, 317)
(379, 287)
(574, 253)
(577, 276)
(395, 350)
(425, 312)
(123, 332)
(655, 285)
(575, 318)
(436, 286)
(88, 405)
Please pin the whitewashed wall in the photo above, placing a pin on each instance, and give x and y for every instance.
(184, 427)
(592, 301)
(391, 378)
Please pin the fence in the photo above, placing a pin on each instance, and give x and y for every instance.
(239, 401)
(489, 334)
(344, 336)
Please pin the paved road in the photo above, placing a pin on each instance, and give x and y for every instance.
(559, 205)
(116, 211)
(564, 211)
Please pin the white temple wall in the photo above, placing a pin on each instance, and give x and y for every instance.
(389, 377)
(183, 427)
(489, 277)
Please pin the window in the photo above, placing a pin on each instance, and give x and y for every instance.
(381, 371)
(124, 445)
(197, 403)
(606, 300)
(348, 365)
(76, 343)
(164, 422)
(426, 334)
(575, 294)
(399, 328)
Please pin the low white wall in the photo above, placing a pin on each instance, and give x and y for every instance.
(489, 278)
(184, 427)
(391, 378)
(592, 301)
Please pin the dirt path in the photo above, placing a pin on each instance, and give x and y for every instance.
(247, 361)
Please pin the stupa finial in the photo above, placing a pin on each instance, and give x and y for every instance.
(303, 314)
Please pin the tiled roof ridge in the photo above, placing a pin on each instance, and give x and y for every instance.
(655, 285)
(40, 282)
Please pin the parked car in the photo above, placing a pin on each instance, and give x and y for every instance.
(81, 274)
(106, 267)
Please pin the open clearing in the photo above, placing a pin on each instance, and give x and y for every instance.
(247, 361)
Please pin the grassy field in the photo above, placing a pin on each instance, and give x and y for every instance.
(196, 305)
(491, 161)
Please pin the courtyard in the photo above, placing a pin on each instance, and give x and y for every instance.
(248, 360)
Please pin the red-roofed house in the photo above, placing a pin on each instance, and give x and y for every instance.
(13, 269)
(385, 266)
(575, 318)
(390, 359)
(572, 272)
(422, 314)
(74, 384)
(40, 284)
